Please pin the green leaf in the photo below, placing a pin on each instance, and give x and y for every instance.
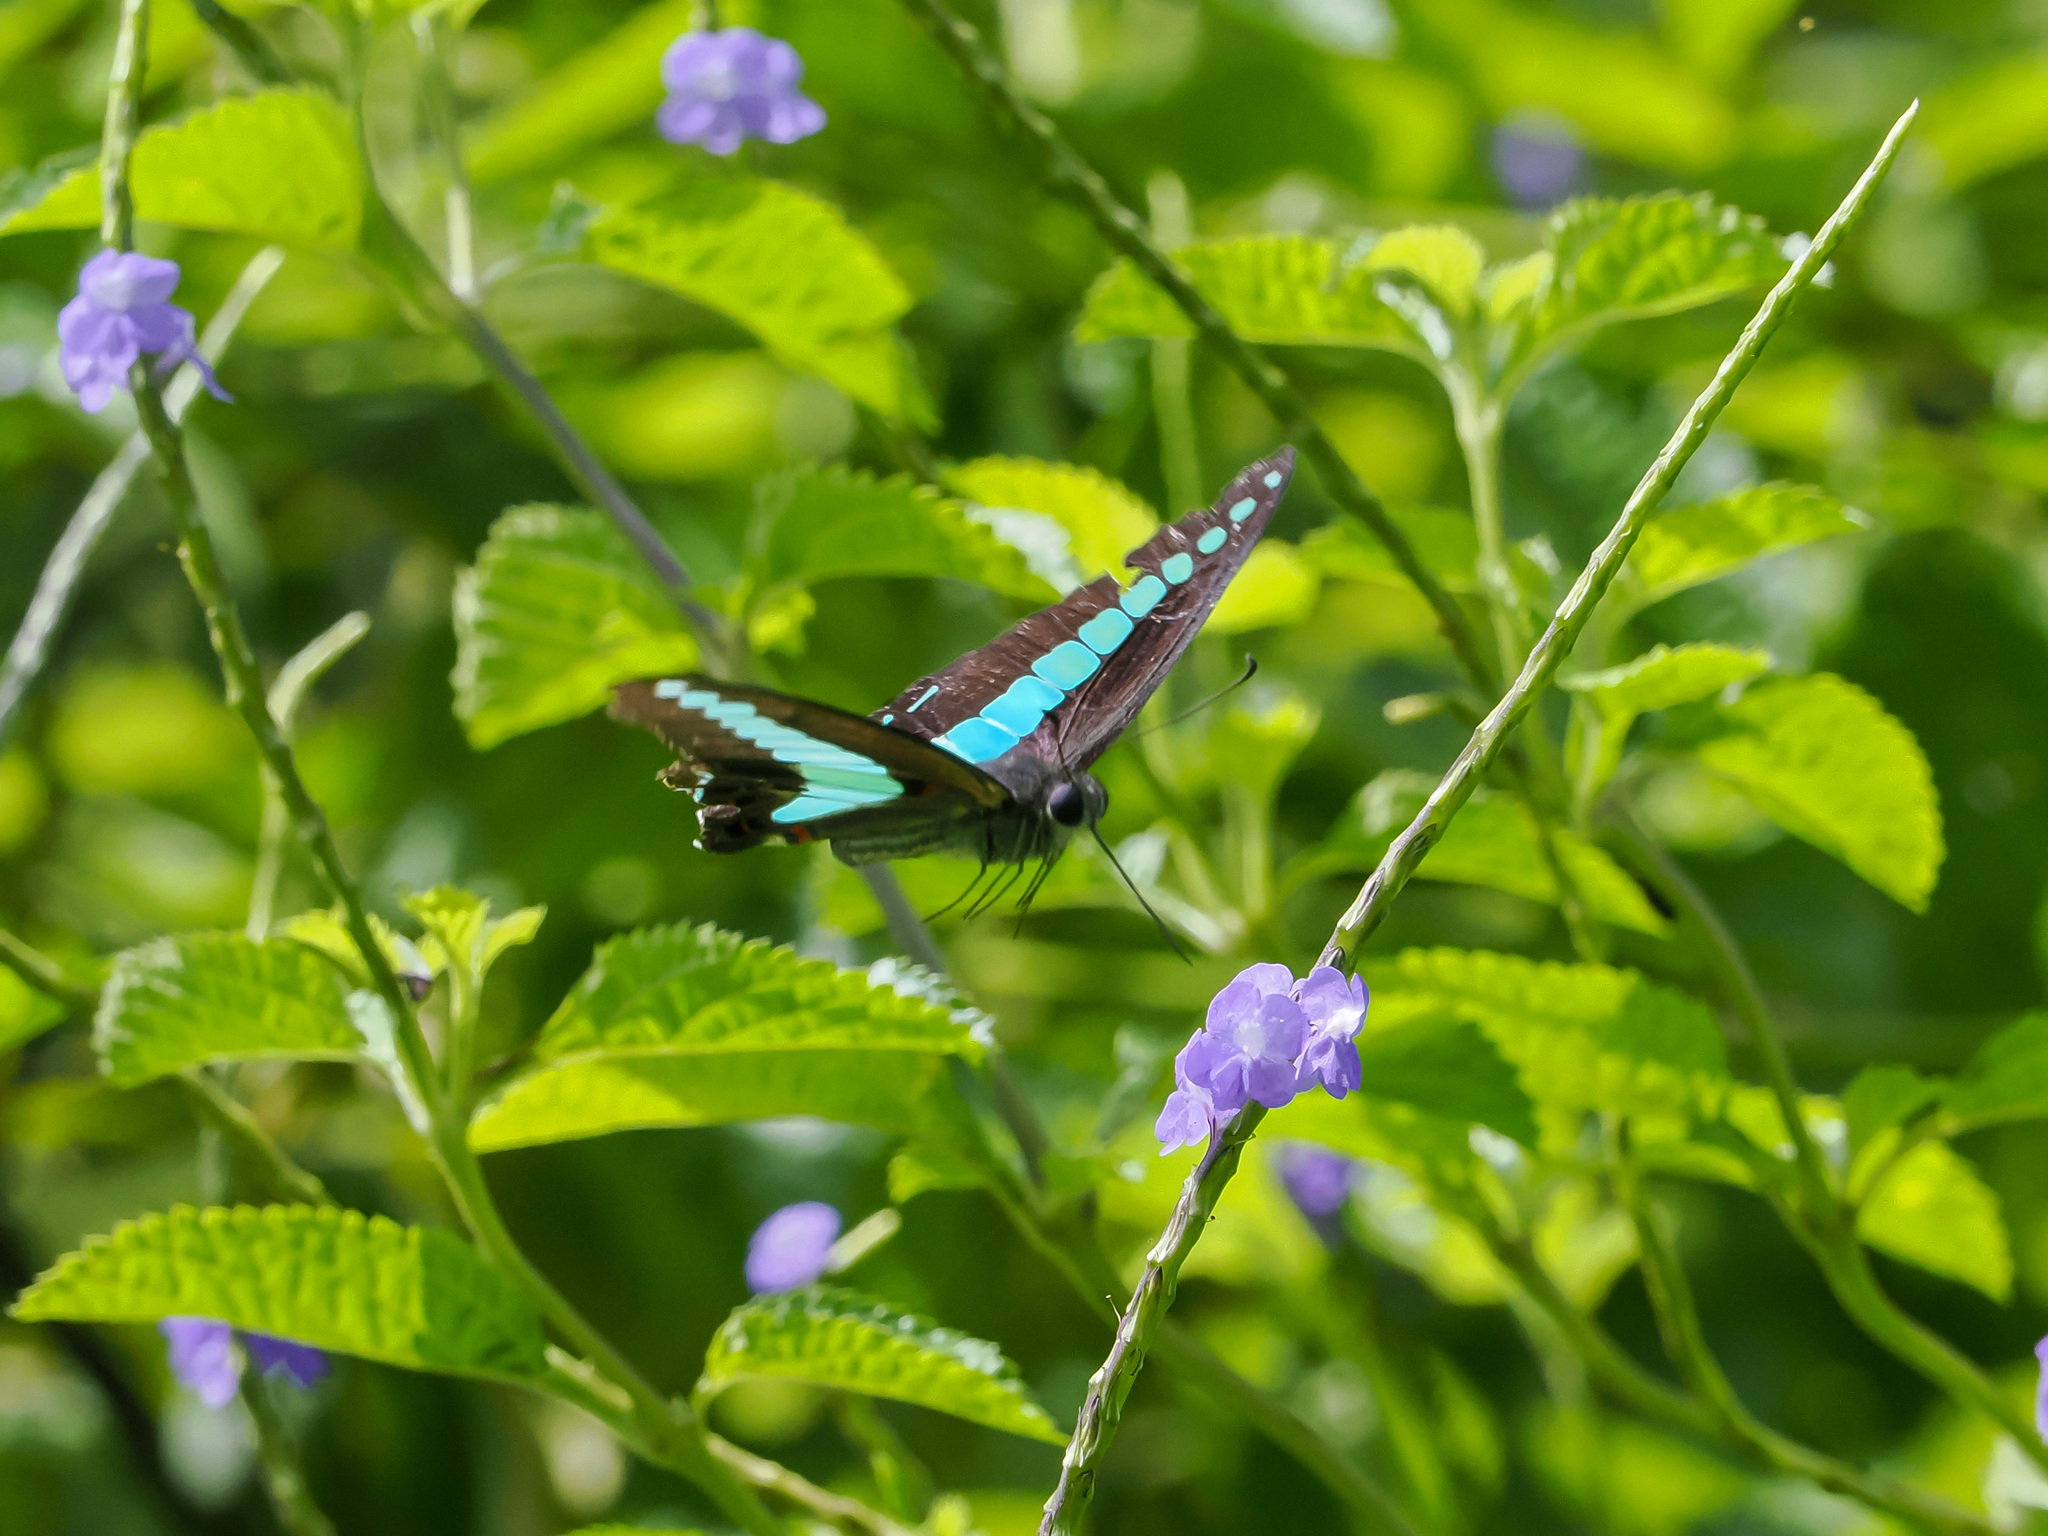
(1452, 1070)
(1447, 543)
(24, 1012)
(279, 165)
(691, 1026)
(178, 1001)
(612, 85)
(556, 610)
(1612, 261)
(1274, 587)
(1822, 759)
(1882, 1096)
(813, 525)
(416, 1297)
(1283, 290)
(785, 265)
(461, 931)
(2006, 1080)
(841, 1341)
(1493, 841)
(1932, 1210)
(1688, 545)
(1071, 523)
(1443, 258)
(326, 934)
(1661, 678)
(1583, 1037)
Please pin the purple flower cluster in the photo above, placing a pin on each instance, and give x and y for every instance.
(791, 1248)
(205, 1360)
(732, 85)
(123, 312)
(1267, 1038)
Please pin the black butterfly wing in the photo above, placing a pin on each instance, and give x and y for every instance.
(1065, 682)
(765, 767)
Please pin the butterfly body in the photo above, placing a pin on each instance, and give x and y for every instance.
(986, 758)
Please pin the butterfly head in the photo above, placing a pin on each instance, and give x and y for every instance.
(1075, 802)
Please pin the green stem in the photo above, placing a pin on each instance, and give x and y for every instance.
(431, 32)
(46, 975)
(221, 1112)
(1173, 408)
(1074, 179)
(283, 1478)
(1477, 421)
(1408, 848)
(904, 1486)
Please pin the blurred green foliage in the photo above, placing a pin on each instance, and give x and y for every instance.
(945, 302)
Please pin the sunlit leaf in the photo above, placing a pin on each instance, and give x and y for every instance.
(836, 1339)
(1661, 678)
(782, 263)
(817, 524)
(462, 934)
(279, 165)
(176, 1002)
(1685, 546)
(1494, 841)
(556, 610)
(1100, 519)
(1583, 1037)
(417, 1297)
(1932, 1210)
(1451, 1070)
(1274, 587)
(1445, 259)
(1882, 1095)
(1613, 261)
(1283, 289)
(1823, 759)
(691, 1026)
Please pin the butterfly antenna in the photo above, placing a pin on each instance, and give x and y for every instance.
(1164, 932)
(931, 917)
(1251, 670)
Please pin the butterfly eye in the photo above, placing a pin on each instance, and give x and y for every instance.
(1067, 805)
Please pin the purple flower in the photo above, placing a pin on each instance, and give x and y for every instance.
(733, 85)
(205, 1360)
(1335, 1007)
(789, 1249)
(123, 311)
(203, 1357)
(1537, 160)
(1317, 1179)
(2041, 1392)
(1259, 1030)
(1191, 1110)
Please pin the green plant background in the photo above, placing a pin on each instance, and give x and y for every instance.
(367, 460)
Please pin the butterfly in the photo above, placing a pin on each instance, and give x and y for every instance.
(988, 758)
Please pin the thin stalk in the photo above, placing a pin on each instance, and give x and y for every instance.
(1067, 174)
(902, 1481)
(1407, 849)
(1173, 409)
(1668, 877)
(284, 1480)
(431, 32)
(46, 975)
(30, 649)
(229, 1118)
(671, 1425)
(1111, 1384)
(1477, 421)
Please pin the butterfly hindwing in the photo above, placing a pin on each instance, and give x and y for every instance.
(767, 767)
(1067, 680)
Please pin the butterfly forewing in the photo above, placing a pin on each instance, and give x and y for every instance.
(1069, 678)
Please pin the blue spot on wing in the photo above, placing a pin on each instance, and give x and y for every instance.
(806, 808)
(1106, 631)
(1177, 568)
(1212, 541)
(1022, 705)
(1240, 510)
(1067, 665)
(1272, 478)
(1143, 596)
(977, 740)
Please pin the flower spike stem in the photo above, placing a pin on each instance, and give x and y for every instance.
(1077, 181)
(1110, 1385)
(1558, 638)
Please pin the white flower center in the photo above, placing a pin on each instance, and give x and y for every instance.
(718, 82)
